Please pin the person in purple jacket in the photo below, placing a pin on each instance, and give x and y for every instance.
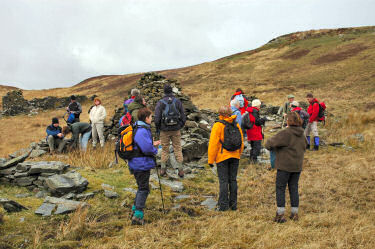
(141, 165)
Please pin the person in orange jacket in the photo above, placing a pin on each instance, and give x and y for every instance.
(226, 152)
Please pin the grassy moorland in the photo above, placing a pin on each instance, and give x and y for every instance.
(336, 186)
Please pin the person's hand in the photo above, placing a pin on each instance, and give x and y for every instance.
(156, 143)
(285, 114)
(60, 135)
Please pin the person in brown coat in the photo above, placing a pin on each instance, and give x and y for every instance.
(289, 146)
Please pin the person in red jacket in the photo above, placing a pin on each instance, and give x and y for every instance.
(240, 96)
(255, 135)
(312, 126)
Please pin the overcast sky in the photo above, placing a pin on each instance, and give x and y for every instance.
(58, 43)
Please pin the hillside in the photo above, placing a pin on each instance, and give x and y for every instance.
(337, 183)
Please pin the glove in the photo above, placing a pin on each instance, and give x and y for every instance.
(211, 165)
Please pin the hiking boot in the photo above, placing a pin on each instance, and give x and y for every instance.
(163, 172)
(316, 147)
(181, 173)
(279, 218)
(294, 217)
(308, 147)
(137, 221)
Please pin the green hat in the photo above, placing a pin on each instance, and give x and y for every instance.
(290, 96)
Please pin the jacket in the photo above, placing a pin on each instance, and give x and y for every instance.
(255, 133)
(289, 146)
(160, 126)
(133, 108)
(215, 152)
(237, 112)
(77, 129)
(53, 131)
(127, 103)
(77, 111)
(313, 110)
(143, 141)
(286, 108)
(98, 114)
(244, 103)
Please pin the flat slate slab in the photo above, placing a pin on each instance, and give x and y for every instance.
(174, 185)
(55, 167)
(46, 209)
(15, 161)
(209, 203)
(66, 183)
(53, 205)
(11, 206)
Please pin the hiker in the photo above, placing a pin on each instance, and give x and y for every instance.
(170, 118)
(289, 146)
(255, 134)
(55, 137)
(225, 148)
(312, 126)
(235, 106)
(77, 129)
(302, 113)
(138, 103)
(142, 163)
(97, 117)
(133, 93)
(242, 99)
(286, 107)
(74, 108)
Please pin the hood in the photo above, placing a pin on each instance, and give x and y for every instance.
(234, 109)
(228, 119)
(297, 131)
(314, 100)
(297, 109)
(134, 106)
(252, 109)
(141, 123)
(237, 93)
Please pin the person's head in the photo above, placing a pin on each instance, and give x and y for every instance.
(256, 103)
(239, 90)
(290, 98)
(235, 103)
(310, 97)
(55, 122)
(135, 92)
(293, 119)
(73, 98)
(97, 101)
(294, 104)
(168, 89)
(66, 130)
(225, 111)
(145, 115)
(140, 100)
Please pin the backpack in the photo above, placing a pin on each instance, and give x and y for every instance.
(71, 118)
(127, 103)
(125, 145)
(125, 120)
(75, 108)
(322, 110)
(245, 123)
(305, 117)
(232, 136)
(170, 116)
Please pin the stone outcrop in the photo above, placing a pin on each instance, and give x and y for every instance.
(52, 205)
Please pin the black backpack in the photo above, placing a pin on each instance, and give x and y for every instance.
(232, 136)
(245, 121)
(171, 116)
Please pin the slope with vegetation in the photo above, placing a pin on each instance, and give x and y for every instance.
(336, 186)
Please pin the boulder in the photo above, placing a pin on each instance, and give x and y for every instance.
(45, 209)
(85, 196)
(66, 183)
(11, 206)
(55, 167)
(15, 161)
(209, 203)
(25, 181)
(62, 206)
(110, 194)
(8, 171)
(37, 153)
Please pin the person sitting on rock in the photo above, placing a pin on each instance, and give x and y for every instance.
(242, 99)
(141, 164)
(138, 103)
(170, 118)
(75, 108)
(97, 117)
(227, 159)
(55, 137)
(289, 146)
(81, 133)
(255, 134)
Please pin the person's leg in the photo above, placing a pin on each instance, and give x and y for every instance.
(258, 147)
(293, 193)
(307, 134)
(233, 169)
(84, 140)
(314, 128)
(282, 178)
(142, 178)
(223, 175)
(177, 150)
(164, 141)
(94, 135)
(51, 143)
(61, 146)
(252, 150)
(100, 130)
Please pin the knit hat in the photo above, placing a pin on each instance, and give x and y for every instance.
(295, 103)
(55, 120)
(255, 103)
(167, 89)
(290, 96)
(73, 97)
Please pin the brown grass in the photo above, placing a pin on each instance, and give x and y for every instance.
(342, 54)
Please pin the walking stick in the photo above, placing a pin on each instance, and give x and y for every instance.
(161, 191)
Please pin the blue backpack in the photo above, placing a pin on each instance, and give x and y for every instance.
(71, 118)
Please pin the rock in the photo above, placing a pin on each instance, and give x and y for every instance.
(110, 194)
(107, 186)
(63, 206)
(210, 203)
(55, 167)
(37, 153)
(8, 171)
(11, 206)
(182, 197)
(130, 190)
(359, 137)
(2, 161)
(85, 196)
(174, 185)
(25, 181)
(23, 174)
(69, 196)
(66, 183)
(23, 195)
(191, 124)
(41, 194)
(46, 209)
(19, 153)
(15, 161)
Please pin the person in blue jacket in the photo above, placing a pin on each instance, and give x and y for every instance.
(55, 138)
(143, 162)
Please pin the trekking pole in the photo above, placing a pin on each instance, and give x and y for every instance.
(282, 126)
(161, 191)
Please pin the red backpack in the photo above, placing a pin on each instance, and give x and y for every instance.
(126, 120)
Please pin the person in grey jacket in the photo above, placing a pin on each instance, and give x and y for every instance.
(81, 133)
(75, 108)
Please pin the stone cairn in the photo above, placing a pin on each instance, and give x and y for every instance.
(14, 103)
